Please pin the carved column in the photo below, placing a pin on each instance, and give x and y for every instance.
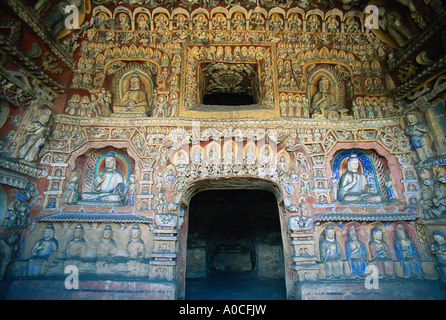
(303, 254)
(164, 256)
(53, 196)
(145, 194)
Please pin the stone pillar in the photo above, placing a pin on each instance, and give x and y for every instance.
(58, 176)
(145, 193)
(163, 266)
(303, 257)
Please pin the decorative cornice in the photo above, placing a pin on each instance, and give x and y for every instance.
(20, 58)
(375, 215)
(83, 216)
(28, 168)
(13, 179)
(261, 123)
(432, 163)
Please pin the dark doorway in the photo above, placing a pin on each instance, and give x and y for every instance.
(234, 246)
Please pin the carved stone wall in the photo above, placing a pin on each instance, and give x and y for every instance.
(106, 138)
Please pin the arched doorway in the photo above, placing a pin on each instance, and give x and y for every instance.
(233, 241)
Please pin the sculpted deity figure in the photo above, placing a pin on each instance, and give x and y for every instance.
(356, 254)
(335, 185)
(73, 105)
(250, 156)
(181, 161)
(131, 190)
(266, 157)
(163, 157)
(170, 177)
(43, 252)
(196, 156)
(36, 134)
(134, 99)
(283, 104)
(19, 208)
(213, 156)
(353, 185)
(380, 254)
(77, 247)
(418, 133)
(407, 254)
(160, 107)
(438, 249)
(439, 199)
(71, 194)
(8, 248)
(428, 208)
(135, 247)
(331, 254)
(391, 22)
(109, 178)
(229, 155)
(107, 247)
(108, 185)
(47, 245)
(282, 164)
(16, 214)
(390, 188)
(323, 100)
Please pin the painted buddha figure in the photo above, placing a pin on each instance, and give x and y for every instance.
(438, 249)
(353, 185)
(108, 184)
(134, 99)
(419, 134)
(331, 254)
(77, 246)
(47, 245)
(323, 100)
(36, 134)
(43, 252)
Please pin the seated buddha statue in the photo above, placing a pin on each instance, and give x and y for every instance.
(108, 185)
(353, 185)
(323, 100)
(134, 100)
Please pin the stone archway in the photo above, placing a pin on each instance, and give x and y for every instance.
(243, 183)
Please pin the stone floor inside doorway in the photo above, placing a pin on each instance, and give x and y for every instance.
(235, 286)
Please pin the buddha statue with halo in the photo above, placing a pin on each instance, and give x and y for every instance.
(108, 184)
(353, 185)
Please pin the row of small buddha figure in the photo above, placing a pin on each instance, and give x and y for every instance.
(46, 250)
(380, 254)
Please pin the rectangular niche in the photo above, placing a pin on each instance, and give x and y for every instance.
(228, 86)
(229, 80)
